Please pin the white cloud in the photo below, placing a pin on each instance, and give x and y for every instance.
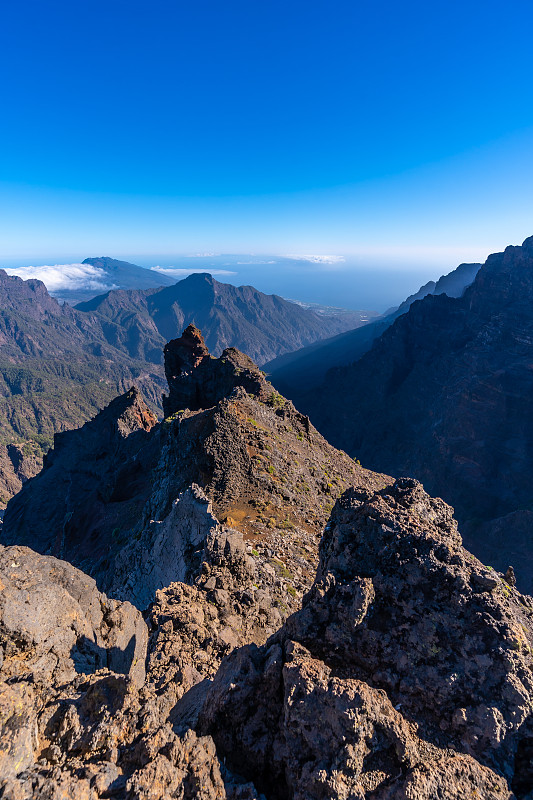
(66, 277)
(318, 259)
(182, 272)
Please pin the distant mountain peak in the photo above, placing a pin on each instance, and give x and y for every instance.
(200, 276)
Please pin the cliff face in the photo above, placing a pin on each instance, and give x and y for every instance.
(446, 395)
(294, 374)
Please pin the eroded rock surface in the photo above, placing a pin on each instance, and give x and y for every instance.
(400, 667)
(407, 673)
(196, 380)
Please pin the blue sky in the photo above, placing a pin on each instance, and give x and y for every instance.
(398, 133)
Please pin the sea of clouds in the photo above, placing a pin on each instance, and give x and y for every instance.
(66, 277)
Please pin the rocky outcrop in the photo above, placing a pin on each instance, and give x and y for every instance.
(54, 623)
(60, 365)
(77, 718)
(18, 462)
(415, 658)
(78, 482)
(196, 380)
(55, 626)
(128, 501)
(57, 370)
(446, 395)
(406, 674)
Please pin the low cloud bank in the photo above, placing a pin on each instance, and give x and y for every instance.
(318, 259)
(66, 277)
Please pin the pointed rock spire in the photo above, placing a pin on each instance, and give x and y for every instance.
(197, 380)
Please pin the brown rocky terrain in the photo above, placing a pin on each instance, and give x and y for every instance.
(122, 493)
(407, 673)
(446, 395)
(393, 666)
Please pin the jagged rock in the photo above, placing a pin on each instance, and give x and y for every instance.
(18, 724)
(417, 666)
(168, 550)
(406, 674)
(60, 639)
(18, 462)
(81, 478)
(189, 769)
(74, 718)
(116, 496)
(196, 380)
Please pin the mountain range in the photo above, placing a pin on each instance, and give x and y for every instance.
(261, 325)
(59, 365)
(445, 395)
(249, 614)
(297, 372)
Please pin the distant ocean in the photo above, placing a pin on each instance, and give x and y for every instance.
(341, 281)
(346, 284)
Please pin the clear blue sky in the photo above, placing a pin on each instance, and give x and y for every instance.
(399, 132)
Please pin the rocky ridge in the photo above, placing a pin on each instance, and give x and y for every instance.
(415, 657)
(122, 491)
(294, 374)
(60, 365)
(445, 395)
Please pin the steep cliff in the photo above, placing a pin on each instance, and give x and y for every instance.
(446, 395)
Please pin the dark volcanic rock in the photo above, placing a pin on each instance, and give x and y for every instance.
(446, 395)
(404, 674)
(415, 658)
(80, 481)
(196, 380)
